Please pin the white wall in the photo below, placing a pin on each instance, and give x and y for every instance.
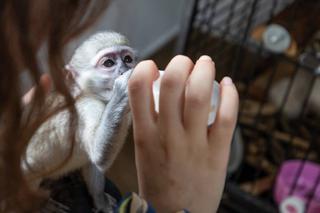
(148, 24)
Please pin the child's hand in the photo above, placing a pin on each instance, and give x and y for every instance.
(45, 82)
(181, 163)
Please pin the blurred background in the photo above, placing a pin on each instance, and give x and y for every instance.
(148, 24)
(271, 48)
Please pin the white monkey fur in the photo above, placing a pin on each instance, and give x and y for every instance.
(103, 114)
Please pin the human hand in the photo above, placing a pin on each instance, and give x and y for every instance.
(181, 163)
(45, 82)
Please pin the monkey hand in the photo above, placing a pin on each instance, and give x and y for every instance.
(121, 83)
(120, 91)
(112, 127)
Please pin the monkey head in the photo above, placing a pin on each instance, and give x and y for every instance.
(99, 61)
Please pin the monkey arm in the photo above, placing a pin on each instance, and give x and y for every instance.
(109, 138)
(102, 130)
(112, 129)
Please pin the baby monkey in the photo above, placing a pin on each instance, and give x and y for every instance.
(101, 67)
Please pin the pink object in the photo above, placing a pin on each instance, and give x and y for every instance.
(304, 188)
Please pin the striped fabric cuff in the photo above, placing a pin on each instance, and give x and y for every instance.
(133, 204)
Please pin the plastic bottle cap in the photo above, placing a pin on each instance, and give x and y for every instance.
(292, 205)
(276, 38)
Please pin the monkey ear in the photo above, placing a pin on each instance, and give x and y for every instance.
(71, 72)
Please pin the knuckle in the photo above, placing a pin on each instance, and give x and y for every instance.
(140, 142)
(170, 81)
(135, 85)
(143, 133)
(227, 120)
(197, 100)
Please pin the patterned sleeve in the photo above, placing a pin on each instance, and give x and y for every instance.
(134, 204)
(69, 195)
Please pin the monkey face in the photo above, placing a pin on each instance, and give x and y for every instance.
(107, 65)
(110, 63)
(101, 59)
(114, 61)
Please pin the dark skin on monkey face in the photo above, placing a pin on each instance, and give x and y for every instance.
(108, 61)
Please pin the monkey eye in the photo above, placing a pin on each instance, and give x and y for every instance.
(108, 63)
(127, 59)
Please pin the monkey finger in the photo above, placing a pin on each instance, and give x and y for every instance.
(141, 96)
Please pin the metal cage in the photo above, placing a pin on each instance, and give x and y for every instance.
(271, 48)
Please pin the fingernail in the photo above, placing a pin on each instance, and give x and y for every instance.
(205, 57)
(227, 81)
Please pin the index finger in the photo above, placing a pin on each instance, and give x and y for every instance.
(141, 96)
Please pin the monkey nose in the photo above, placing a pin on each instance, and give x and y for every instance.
(124, 70)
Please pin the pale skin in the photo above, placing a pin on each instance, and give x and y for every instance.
(45, 83)
(181, 163)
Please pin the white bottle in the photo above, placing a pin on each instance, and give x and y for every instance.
(214, 100)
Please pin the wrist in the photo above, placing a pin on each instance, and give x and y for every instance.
(135, 203)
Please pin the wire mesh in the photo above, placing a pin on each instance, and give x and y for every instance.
(279, 118)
